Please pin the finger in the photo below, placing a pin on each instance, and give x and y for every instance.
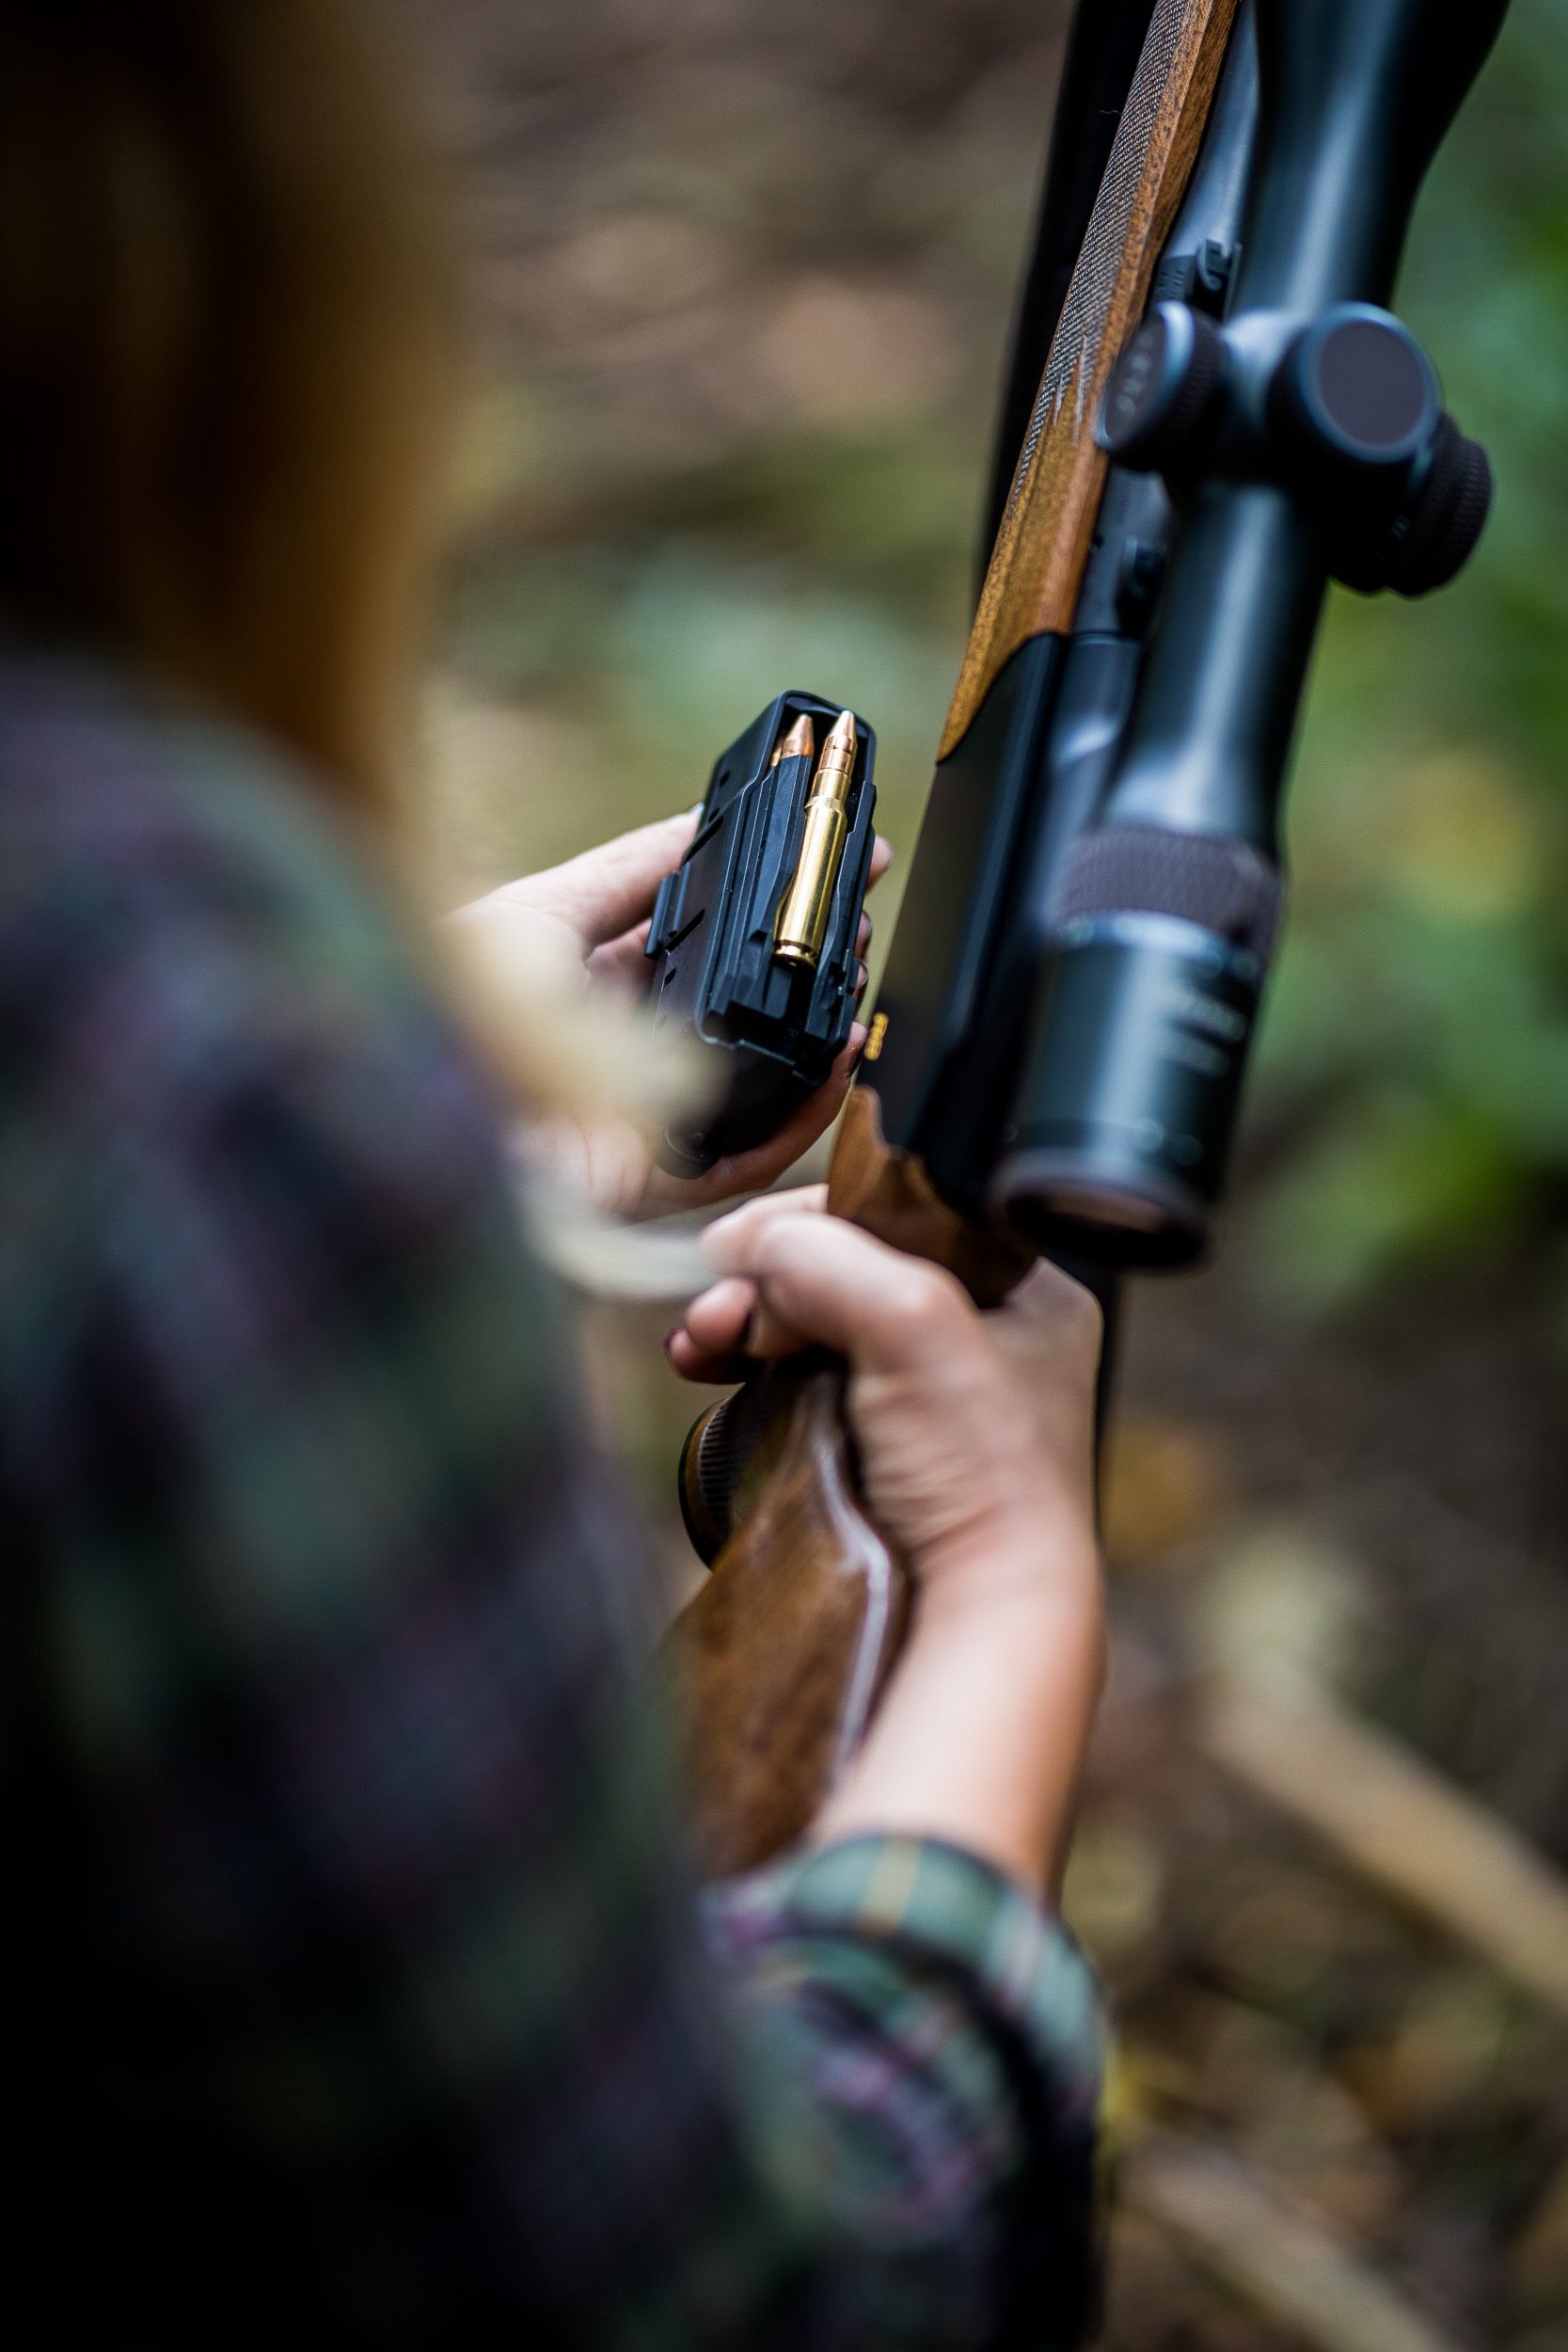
(717, 1338)
(733, 1324)
(708, 1343)
(607, 891)
(622, 963)
(819, 1279)
(863, 936)
(716, 1319)
(881, 858)
(689, 1363)
(742, 1226)
(754, 1170)
(727, 1329)
(863, 975)
(1049, 1304)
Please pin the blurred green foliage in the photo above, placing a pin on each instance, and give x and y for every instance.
(1416, 1049)
(738, 442)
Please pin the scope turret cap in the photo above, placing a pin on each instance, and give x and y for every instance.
(1161, 399)
(1357, 389)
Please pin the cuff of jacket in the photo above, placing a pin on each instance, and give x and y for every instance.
(941, 1907)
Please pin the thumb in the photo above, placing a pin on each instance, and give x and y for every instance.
(819, 1279)
(607, 891)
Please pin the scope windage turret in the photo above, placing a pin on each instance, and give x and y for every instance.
(1302, 438)
(1346, 411)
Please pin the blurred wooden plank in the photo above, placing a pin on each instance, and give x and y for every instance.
(1396, 1820)
(1238, 2227)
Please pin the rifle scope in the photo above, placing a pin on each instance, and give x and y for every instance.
(1301, 439)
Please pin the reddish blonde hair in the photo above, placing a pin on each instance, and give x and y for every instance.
(223, 358)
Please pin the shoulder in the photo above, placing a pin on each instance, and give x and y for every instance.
(173, 891)
(120, 810)
(209, 1011)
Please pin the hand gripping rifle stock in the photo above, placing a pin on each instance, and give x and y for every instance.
(780, 1658)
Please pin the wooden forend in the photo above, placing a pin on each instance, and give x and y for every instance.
(1043, 539)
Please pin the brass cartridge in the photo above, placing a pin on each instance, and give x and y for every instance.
(803, 919)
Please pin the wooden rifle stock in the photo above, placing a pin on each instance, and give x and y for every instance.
(778, 1659)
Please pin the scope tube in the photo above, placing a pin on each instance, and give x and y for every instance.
(1165, 921)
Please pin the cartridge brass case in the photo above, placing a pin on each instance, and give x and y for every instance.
(803, 919)
(803, 914)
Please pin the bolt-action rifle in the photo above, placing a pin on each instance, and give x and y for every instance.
(1212, 414)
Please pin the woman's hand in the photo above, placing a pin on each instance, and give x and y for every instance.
(600, 905)
(974, 1441)
(975, 1431)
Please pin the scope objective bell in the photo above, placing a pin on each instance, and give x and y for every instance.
(1119, 1131)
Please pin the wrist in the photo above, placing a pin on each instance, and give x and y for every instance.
(1046, 1633)
(980, 1735)
(1040, 1565)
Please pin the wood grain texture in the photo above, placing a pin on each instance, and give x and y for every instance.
(1048, 523)
(888, 1193)
(778, 1659)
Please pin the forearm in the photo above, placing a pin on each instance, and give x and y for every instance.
(975, 1456)
(980, 1733)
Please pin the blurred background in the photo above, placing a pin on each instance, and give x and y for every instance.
(742, 283)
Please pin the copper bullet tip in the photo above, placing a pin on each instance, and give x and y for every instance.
(838, 752)
(797, 742)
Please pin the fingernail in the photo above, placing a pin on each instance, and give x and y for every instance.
(670, 1337)
(857, 1035)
